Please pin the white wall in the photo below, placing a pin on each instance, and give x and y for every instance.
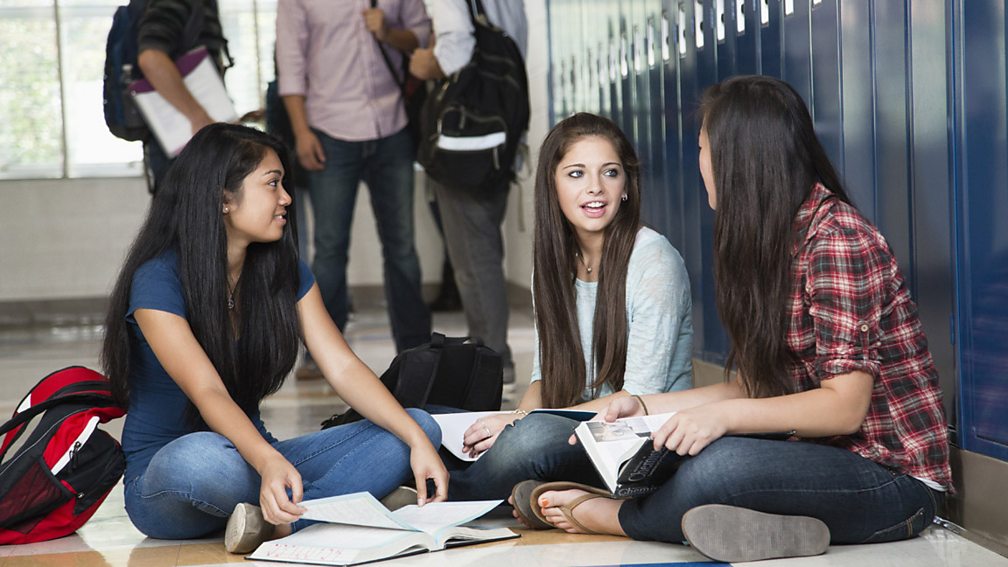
(520, 216)
(63, 239)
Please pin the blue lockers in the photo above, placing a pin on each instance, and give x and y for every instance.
(910, 108)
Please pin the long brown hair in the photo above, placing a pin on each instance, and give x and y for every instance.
(766, 160)
(560, 354)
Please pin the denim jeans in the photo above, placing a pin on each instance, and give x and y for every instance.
(535, 447)
(386, 166)
(193, 483)
(859, 500)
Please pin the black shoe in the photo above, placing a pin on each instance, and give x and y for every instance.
(733, 534)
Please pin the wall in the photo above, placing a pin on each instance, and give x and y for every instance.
(66, 239)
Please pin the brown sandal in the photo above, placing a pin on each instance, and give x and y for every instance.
(568, 509)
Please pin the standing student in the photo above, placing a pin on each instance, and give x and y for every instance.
(612, 311)
(205, 321)
(349, 123)
(471, 220)
(827, 345)
(161, 37)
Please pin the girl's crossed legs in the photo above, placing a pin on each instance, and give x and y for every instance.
(193, 483)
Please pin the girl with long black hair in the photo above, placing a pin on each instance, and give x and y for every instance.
(612, 310)
(827, 346)
(205, 321)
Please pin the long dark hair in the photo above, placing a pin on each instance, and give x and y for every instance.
(766, 160)
(185, 216)
(555, 244)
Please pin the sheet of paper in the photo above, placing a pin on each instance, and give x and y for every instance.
(439, 515)
(360, 509)
(454, 425)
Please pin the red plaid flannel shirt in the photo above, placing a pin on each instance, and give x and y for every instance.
(850, 310)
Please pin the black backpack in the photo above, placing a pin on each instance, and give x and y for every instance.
(121, 113)
(473, 121)
(58, 467)
(456, 372)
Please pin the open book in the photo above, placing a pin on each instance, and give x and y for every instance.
(359, 529)
(454, 425)
(171, 128)
(624, 456)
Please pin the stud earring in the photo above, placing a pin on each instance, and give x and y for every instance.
(624, 197)
(227, 209)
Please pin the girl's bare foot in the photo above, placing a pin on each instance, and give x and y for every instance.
(596, 514)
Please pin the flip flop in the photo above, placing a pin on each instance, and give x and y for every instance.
(521, 495)
(568, 509)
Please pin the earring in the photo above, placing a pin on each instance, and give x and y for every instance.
(226, 209)
(625, 196)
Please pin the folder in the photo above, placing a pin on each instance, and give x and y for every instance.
(171, 128)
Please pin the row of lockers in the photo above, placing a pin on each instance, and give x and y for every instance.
(909, 99)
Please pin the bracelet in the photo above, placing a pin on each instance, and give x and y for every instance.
(520, 412)
(642, 404)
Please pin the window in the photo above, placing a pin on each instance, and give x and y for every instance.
(51, 121)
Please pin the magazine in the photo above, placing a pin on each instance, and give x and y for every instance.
(624, 456)
(358, 529)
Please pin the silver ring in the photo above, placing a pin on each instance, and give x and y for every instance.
(487, 429)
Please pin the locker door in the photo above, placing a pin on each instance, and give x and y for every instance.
(770, 37)
(857, 80)
(723, 30)
(892, 130)
(671, 46)
(692, 190)
(796, 46)
(747, 36)
(932, 203)
(656, 116)
(825, 107)
(982, 201)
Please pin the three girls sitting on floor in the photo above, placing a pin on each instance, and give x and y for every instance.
(212, 301)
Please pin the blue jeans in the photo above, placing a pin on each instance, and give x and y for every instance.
(193, 483)
(535, 447)
(386, 166)
(859, 500)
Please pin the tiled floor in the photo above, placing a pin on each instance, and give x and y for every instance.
(109, 540)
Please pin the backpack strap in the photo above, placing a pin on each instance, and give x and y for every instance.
(98, 400)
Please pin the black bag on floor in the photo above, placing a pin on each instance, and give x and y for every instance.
(458, 372)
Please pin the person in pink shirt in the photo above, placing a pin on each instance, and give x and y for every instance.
(349, 124)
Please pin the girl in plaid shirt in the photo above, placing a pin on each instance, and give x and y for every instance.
(828, 347)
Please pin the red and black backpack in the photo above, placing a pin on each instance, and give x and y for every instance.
(58, 475)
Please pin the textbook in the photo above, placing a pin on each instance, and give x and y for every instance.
(624, 456)
(359, 529)
(454, 425)
(171, 128)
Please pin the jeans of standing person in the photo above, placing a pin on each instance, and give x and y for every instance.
(536, 448)
(860, 501)
(386, 166)
(193, 483)
(472, 233)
